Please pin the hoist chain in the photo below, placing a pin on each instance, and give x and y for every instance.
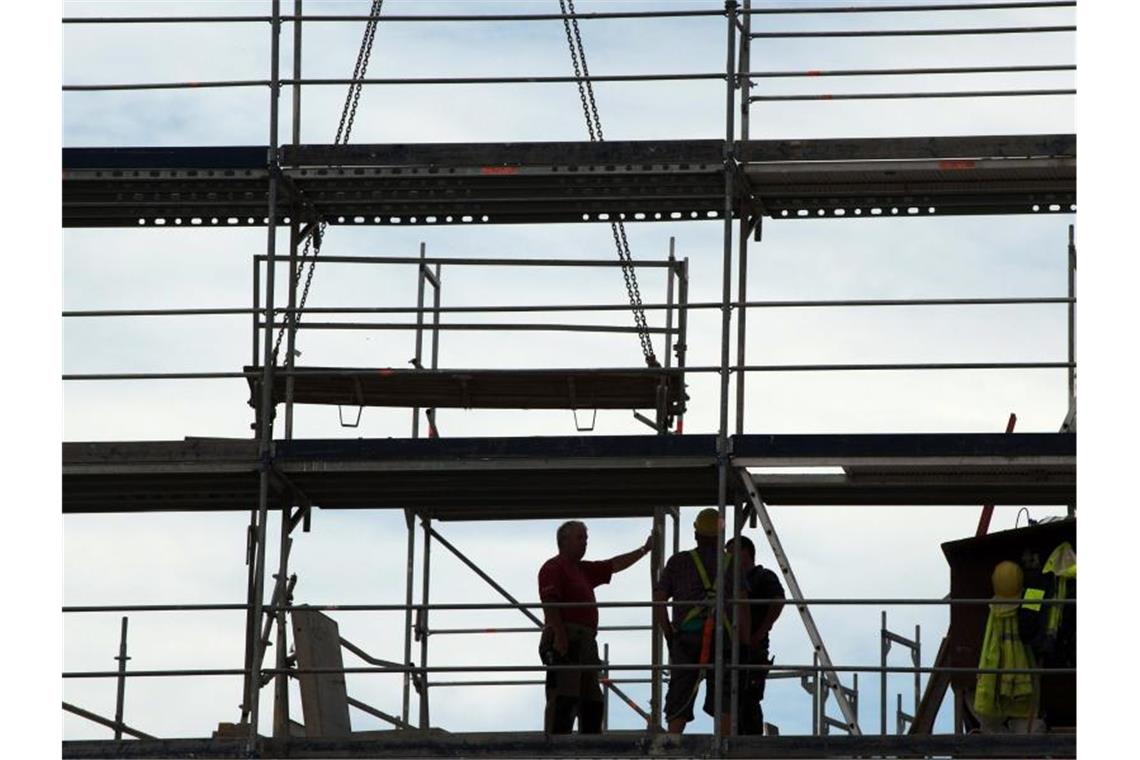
(594, 127)
(343, 130)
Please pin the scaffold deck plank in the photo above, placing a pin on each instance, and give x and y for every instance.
(432, 744)
(568, 476)
(481, 389)
(503, 183)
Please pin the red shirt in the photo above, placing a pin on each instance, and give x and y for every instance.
(564, 580)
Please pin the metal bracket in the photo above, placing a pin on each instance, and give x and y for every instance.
(358, 391)
(585, 428)
(574, 409)
(418, 628)
(646, 421)
(340, 416)
(303, 515)
(297, 196)
(304, 503)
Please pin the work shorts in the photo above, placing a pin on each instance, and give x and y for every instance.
(684, 682)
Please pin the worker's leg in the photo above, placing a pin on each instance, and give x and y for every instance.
(590, 716)
(568, 688)
(751, 693)
(591, 708)
(546, 654)
(727, 708)
(683, 682)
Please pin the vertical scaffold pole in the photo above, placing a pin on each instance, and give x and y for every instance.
(884, 646)
(741, 316)
(417, 361)
(410, 516)
(726, 320)
(294, 229)
(281, 682)
(251, 529)
(265, 417)
(1072, 413)
(916, 655)
(1072, 319)
(410, 571)
(121, 681)
(435, 318)
(425, 718)
(742, 242)
(656, 556)
(682, 339)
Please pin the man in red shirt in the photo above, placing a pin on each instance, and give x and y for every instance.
(570, 634)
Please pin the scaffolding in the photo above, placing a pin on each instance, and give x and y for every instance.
(737, 182)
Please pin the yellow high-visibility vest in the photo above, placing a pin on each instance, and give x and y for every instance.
(1004, 695)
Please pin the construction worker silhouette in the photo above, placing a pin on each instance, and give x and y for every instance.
(689, 577)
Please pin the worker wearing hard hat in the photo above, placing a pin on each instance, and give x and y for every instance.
(688, 577)
(570, 634)
(1006, 702)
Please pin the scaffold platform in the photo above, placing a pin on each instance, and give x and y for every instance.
(613, 744)
(539, 182)
(542, 477)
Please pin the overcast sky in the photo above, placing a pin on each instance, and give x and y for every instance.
(358, 557)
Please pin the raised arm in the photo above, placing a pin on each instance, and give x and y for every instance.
(622, 561)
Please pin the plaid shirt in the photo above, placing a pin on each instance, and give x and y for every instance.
(679, 580)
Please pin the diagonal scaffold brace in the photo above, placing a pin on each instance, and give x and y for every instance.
(827, 671)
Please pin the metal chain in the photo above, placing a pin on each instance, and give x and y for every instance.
(594, 127)
(343, 130)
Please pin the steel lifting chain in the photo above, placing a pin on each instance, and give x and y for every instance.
(594, 127)
(343, 130)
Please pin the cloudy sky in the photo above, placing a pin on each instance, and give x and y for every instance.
(358, 557)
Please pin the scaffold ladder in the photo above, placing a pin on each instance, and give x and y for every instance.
(827, 669)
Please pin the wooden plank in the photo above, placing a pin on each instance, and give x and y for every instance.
(324, 696)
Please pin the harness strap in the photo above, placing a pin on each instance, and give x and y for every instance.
(710, 593)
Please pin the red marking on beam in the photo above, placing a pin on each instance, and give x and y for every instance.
(498, 170)
(385, 372)
(958, 164)
(813, 72)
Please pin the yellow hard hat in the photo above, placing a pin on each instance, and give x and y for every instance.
(707, 522)
(1007, 580)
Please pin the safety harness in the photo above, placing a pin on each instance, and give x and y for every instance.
(698, 618)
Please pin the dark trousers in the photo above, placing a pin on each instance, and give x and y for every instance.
(573, 694)
(751, 693)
